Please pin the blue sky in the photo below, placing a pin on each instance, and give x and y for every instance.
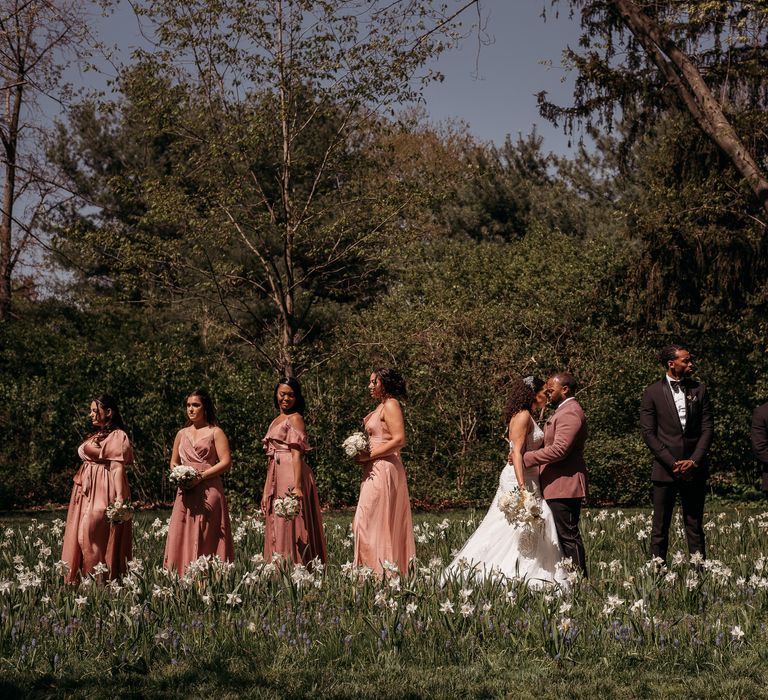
(491, 87)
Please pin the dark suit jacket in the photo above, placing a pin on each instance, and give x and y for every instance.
(663, 433)
(759, 437)
(562, 472)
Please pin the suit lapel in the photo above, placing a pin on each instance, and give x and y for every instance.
(667, 391)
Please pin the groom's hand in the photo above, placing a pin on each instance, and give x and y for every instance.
(683, 468)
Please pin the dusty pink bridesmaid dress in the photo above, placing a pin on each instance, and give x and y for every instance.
(301, 539)
(89, 539)
(382, 526)
(200, 520)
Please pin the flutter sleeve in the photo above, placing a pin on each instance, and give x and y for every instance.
(295, 439)
(116, 448)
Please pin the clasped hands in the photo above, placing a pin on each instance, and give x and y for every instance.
(683, 468)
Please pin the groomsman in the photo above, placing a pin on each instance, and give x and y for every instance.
(759, 437)
(562, 471)
(677, 425)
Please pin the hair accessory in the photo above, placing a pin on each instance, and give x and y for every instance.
(528, 381)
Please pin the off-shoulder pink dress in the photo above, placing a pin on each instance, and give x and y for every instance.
(200, 522)
(382, 526)
(89, 539)
(302, 539)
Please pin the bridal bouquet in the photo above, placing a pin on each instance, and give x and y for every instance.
(521, 507)
(119, 511)
(182, 474)
(355, 444)
(288, 506)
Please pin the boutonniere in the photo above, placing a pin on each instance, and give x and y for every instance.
(692, 398)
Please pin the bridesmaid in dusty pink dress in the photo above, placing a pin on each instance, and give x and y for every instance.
(89, 539)
(382, 526)
(200, 520)
(302, 539)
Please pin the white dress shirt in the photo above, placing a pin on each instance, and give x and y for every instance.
(679, 398)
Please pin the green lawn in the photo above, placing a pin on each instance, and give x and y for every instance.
(242, 631)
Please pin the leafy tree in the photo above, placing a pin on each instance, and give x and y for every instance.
(704, 57)
(274, 105)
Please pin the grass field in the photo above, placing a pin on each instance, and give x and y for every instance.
(245, 630)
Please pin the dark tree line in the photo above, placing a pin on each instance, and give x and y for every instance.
(247, 216)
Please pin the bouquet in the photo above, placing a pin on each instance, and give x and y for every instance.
(522, 509)
(119, 511)
(182, 474)
(355, 444)
(288, 506)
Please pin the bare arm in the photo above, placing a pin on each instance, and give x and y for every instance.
(297, 456)
(117, 471)
(175, 459)
(393, 417)
(519, 427)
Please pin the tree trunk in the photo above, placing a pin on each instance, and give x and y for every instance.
(695, 94)
(10, 141)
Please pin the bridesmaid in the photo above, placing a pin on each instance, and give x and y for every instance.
(302, 539)
(200, 520)
(89, 539)
(382, 525)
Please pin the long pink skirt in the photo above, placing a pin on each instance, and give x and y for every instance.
(199, 526)
(302, 539)
(383, 527)
(89, 539)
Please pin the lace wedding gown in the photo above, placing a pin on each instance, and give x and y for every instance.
(499, 549)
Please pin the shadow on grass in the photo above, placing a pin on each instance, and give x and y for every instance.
(493, 676)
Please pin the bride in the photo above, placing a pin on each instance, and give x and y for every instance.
(498, 548)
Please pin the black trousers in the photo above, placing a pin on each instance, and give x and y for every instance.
(692, 495)
(566, 513)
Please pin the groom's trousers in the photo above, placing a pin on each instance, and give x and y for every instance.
(566, 513)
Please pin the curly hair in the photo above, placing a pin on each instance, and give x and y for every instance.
(299, 405)
(521, 396)
(392, 381)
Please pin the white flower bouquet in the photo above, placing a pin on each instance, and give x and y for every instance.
(182, 474)
(288, 506)
(522, 509)
(119, 511)
(355, 444)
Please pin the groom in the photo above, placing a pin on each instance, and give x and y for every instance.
(562, 472)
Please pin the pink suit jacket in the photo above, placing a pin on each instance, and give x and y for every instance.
(562, 471)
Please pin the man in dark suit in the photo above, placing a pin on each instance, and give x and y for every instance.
(759, 437)
(562, 471)
(677, 425)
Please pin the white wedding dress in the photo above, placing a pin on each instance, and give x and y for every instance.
(499, 549)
